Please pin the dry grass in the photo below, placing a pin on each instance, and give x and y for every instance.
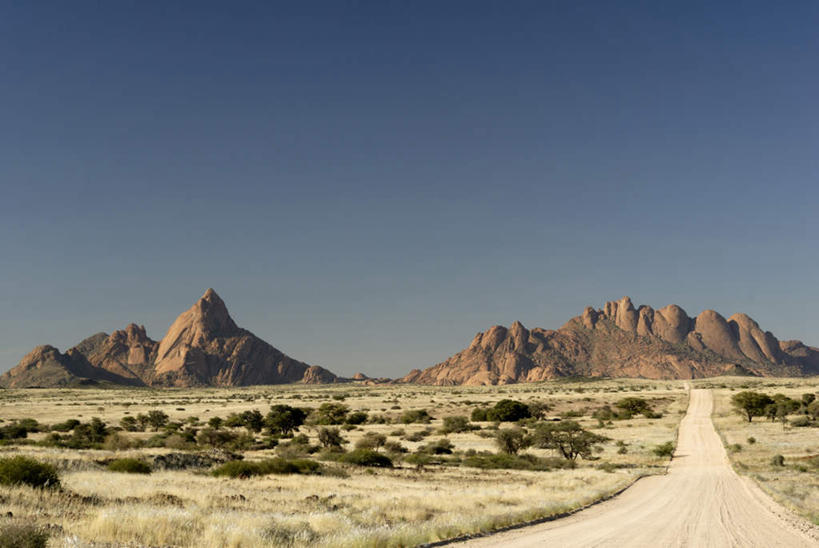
(795, 485)
(397, 507)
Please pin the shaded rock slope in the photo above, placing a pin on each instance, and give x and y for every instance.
(203, 347)
(623, 341)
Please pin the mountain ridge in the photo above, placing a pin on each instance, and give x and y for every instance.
(620, 340)
(202, 347)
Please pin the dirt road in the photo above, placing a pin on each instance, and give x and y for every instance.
(702, 502)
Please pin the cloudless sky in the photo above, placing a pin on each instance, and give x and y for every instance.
(369, 184)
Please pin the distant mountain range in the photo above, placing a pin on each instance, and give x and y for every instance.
(621, 341)
(205, 347)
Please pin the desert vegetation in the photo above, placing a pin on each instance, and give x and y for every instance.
(344, 465)
(771, 430)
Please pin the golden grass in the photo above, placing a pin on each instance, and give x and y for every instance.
(398, 507)
(795, 485)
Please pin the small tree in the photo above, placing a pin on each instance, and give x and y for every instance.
(331, 413)
(283, 420)
(330, 438)
(371, 440)
(129, 424)
(512, 440)
(634, 406)
(508, 411)
(157, 419)
(751, 404)
(813, 409)
(566, 437)
(539, 409)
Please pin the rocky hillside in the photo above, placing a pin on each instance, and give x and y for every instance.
(203, 347)
(621, 341)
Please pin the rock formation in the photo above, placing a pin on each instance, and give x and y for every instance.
(621, 341)
(203, 347)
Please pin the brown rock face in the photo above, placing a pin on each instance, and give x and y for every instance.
(45, 366)
(621, 341)
(203, 347)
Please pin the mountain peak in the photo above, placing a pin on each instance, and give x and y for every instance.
(211, 313)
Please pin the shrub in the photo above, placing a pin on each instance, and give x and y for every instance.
(117, 442)
(512, 462)
(394, 447)
(456, 424)
(23, 536)
(66, 426)
(23, 470)
(664, 450)
(510, 441)
(331, 413)
(416, 415)
(439, 447)
(479, 414)
(358, 417)
(538, 409)
(371, 440)
(129, 466)
(330, 437)
(366, 457)
(634, 406)
(778, 460)
(751, 440)
(244, 469)
(237, 469)
(508, 411)
(801, 421)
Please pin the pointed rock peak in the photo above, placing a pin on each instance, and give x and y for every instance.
(516, 326)
(211, 312)
(625, 304)
(210, 295)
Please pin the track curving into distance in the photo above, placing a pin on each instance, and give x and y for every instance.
(701, 503)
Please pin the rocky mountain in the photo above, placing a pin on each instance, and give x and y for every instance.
(203, 347)
(621, 341)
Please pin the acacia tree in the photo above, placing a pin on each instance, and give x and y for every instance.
(512, 440)
(751, 404)
(284, 419)
(566, 437)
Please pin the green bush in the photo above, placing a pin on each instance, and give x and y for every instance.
(801, 422)
(664, 450)
(26, 471)
(479, 414)
(357, 417)
(23, 536)
(503, 461)
(778, 460)
(457, 424)
(66, 426)
(416, 415)
(366, 457)
(129, 466)
(245, 469)
(508, 411)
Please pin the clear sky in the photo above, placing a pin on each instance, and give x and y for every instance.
(369, 184)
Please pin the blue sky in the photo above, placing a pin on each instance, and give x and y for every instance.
(368, 184)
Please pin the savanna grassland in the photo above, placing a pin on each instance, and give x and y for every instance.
(779, 449)
(384, 465)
